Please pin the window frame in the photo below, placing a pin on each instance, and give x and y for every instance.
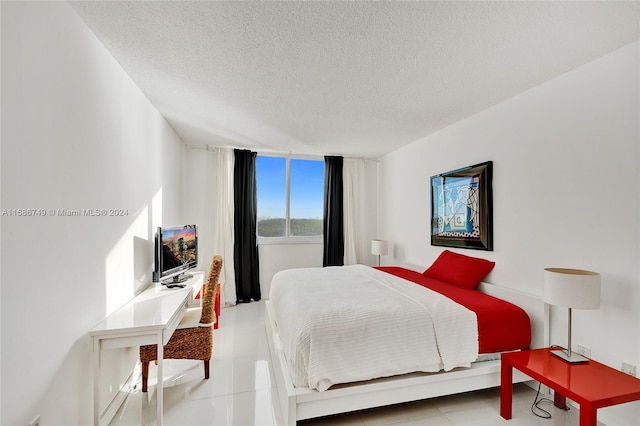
(289, 239)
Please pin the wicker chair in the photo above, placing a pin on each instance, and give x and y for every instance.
(193, 339)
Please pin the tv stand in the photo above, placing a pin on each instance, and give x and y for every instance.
(177, 281)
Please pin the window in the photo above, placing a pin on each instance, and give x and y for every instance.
(290, 198)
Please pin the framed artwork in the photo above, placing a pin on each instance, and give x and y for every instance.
(462, 208)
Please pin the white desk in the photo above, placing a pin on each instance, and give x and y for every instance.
(149, 318)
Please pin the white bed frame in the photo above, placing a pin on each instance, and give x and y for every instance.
(304, 403)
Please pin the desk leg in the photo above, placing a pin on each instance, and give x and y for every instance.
(96, 380)
(588, 415)
(506, 390)
(160, 399)
(559, 400)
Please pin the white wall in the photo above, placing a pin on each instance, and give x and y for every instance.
(76, 134)
(278, 257)
(198, 206)
(566, 194)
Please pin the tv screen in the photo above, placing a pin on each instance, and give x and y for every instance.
(176, 252)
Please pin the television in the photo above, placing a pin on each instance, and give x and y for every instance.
(176, 251)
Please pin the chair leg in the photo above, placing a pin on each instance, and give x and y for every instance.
(206, 368)
(145, 375)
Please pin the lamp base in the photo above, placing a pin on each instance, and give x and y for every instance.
(574, 358)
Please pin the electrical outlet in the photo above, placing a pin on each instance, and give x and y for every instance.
(35, 421)
(584, 351)
(629, 369)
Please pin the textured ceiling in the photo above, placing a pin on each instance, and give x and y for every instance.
(341, 77)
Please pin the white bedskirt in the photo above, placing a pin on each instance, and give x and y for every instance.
(355, 323)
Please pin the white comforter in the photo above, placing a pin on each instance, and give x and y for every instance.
(354, 323)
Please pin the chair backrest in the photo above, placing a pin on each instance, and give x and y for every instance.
(211, 287)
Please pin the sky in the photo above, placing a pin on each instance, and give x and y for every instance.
(307, 188)
(187, 232)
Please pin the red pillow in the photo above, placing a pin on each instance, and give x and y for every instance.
(459, 270)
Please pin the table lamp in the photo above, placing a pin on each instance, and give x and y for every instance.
(571, 288)
(379, 247)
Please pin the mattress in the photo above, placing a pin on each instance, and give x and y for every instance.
(355, 323)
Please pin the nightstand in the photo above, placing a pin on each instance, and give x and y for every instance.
(590, 384)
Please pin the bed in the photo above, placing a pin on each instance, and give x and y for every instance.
(356, 337)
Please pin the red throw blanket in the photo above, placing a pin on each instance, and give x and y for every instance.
(502, 326)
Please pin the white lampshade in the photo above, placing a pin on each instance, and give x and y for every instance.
(572, 288)
(379, 247)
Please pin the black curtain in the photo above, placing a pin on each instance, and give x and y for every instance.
(245, 249)
(333, 218)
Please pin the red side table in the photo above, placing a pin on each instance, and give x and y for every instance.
(590, 384)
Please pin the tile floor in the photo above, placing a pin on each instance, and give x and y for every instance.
(240, 392)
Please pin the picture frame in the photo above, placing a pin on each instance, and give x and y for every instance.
(462, 208)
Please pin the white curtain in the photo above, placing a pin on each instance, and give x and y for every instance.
(222, 220)
(353, 193)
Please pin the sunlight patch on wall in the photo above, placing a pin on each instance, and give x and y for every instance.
(127, 264)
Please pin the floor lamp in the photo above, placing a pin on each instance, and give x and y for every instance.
(379, 248)
(571, 288)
